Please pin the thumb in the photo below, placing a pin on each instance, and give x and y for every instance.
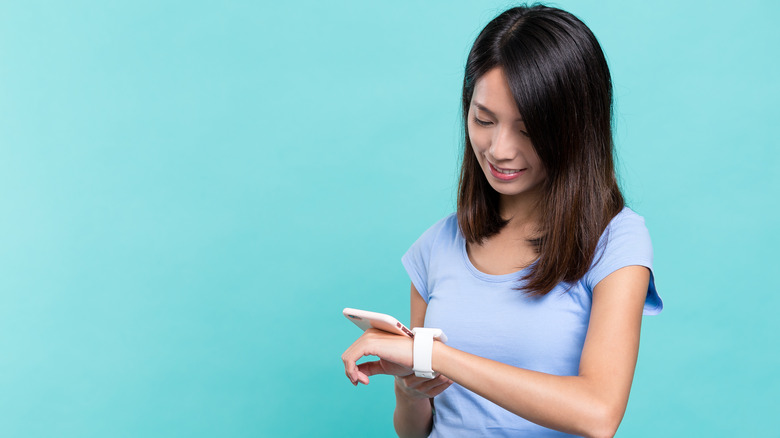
(383, 367)
(371, 368)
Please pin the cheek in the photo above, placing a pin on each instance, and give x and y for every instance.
(479, 143)
(539, 165)
(533, 157)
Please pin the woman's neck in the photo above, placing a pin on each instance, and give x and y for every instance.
(522, 211)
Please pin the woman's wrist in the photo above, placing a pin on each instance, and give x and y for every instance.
(438, 350)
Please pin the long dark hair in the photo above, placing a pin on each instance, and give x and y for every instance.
(559, 78)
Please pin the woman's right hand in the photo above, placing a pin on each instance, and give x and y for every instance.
(415, 387)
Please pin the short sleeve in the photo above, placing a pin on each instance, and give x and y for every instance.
(416, 260)
(625, 242)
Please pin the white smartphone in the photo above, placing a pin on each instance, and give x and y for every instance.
(366, 320)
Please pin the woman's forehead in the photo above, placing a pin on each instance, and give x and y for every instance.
(493, 95)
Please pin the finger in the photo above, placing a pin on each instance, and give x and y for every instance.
(350, 357)
(434, 387)
(350, 367)
(362, 377)
(426, 387)
(433, 392)
(371, 368)
(429, 391)
(441, 380)
(356, 375)
(414, 382)
(349, 376)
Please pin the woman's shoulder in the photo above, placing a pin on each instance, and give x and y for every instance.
(625, 241)
(626, 218)
(448, 223)
(627, 224)
(439, 239)
(445, 228)
(626, 229)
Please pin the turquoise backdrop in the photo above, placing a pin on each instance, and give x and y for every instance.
(190, 192)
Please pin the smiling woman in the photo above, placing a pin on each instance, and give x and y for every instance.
(541, 278)
(546, 68)
(499, 139)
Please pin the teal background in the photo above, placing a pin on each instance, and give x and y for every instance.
(190, 192)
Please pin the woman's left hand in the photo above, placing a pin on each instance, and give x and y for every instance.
(395, 352)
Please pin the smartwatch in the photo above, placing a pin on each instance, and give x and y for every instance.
(423, 347)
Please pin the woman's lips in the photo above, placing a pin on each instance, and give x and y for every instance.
(505, 174)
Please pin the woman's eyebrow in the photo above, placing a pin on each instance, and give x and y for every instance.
(491, 113)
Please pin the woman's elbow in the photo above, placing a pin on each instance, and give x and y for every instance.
(606, 420)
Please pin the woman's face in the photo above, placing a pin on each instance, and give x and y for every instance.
(499, 138)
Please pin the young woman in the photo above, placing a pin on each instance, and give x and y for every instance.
(540, 280)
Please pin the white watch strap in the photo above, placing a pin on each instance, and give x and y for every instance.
(423, 347)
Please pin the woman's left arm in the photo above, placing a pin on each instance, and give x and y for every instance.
(589, 404)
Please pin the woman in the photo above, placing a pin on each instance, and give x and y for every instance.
(540, 280)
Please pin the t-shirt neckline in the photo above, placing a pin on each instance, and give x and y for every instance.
(512, 276)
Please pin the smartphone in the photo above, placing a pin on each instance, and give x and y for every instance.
(366, 320)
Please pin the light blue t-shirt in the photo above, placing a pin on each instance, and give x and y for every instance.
(485, 315)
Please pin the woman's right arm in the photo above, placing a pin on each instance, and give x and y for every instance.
(413, 415)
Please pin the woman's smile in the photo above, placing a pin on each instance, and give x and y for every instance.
(505, 174)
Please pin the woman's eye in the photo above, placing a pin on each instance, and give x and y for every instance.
(482, 122)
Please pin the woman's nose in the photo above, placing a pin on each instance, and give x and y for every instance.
(505, 146)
